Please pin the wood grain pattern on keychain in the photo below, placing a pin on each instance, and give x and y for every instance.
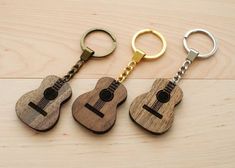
(40, 108)
(154, 110)
(96, 110)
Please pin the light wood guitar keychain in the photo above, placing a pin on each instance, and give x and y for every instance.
(40, 108)
(96, 110)
(154, 110)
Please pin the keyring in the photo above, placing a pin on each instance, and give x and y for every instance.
(157, 34)
(212, 52)
(114, 41)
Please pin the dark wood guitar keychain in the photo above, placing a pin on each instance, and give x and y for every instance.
(154, 110)
(40, 108)
(96, 110)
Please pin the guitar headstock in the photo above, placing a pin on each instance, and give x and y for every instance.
(154, 110)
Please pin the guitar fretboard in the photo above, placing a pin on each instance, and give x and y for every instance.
(58, 84)
(169, 87)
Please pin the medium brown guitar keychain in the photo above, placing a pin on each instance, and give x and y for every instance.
(40, 108)
(154, 110)
(96, 110)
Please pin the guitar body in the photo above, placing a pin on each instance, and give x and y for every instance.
(96, 110)
(40, 108)
(154, 110)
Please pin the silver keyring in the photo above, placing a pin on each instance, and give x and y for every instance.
(212, 52)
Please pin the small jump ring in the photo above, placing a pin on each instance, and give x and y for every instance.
(114, 41)
(159, 35)
(214, 49)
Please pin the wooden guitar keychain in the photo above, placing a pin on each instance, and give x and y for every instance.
(40, 108)
(154, 110)
(96, 110)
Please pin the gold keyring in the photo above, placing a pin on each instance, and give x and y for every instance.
(159, 35)
(114, 41)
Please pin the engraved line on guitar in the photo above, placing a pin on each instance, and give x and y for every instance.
(106, 95)
(49, 94)
(162, 96)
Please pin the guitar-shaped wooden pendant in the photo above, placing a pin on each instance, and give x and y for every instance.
(40, 108)
(97, 110)
(154, 110)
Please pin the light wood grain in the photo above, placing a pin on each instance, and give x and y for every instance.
(41, 38)
(201, 136)
(35, 34)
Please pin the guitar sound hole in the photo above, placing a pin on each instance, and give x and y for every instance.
(50, 93)
(163, 96)
(106, 95)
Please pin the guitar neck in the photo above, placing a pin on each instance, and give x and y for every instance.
(169, 87)
(58, 84)
(113, 86)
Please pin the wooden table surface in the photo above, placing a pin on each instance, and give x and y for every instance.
(38, 38)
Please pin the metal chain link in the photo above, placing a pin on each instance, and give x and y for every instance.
(181, 71)
(126, 71)
(73, 70)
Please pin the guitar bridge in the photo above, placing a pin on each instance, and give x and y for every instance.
(152, 111)
(94, 110)
(37, 108)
